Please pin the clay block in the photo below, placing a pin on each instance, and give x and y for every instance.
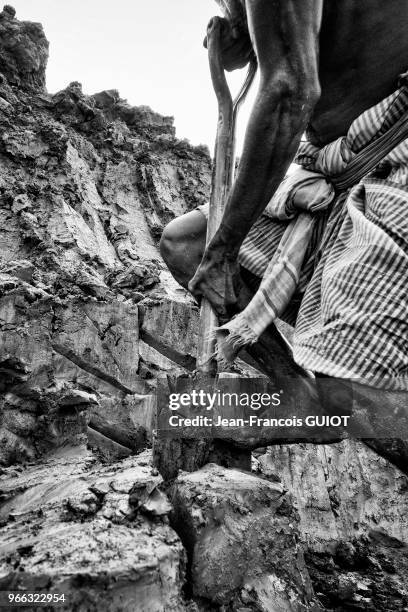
(97, 534)
(242, 538)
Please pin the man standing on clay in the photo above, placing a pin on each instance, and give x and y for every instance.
(333, 70)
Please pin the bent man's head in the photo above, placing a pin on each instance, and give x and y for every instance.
(233, 11)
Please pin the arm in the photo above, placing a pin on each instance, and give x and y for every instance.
(284, 34)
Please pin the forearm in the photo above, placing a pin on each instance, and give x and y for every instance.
(284, 36)
(278, 119)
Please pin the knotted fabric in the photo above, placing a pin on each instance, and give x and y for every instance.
(360, 231)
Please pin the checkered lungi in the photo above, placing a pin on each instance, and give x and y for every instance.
(347, 298)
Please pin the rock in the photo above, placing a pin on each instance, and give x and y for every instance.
(347, 587)
(128, 422)
(137, 276)
(349, 490)
(143, 116)
(367, 582)
(4, 105)
(242, 538)
(155, 363)
(106, 98)
(78, 250)
(101, 338)
(105, 447)
(346, 496)
(84, 343)
(112, 548)
(23, 51)
(22, 269)
(178, 341)
(8, 12)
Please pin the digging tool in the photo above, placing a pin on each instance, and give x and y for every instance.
(222, 178)
(190, 453)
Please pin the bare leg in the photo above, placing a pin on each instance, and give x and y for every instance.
(182, 245)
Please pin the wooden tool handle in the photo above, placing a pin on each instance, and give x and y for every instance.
(222, 177)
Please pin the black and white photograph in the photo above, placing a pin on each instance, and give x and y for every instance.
(204, 306)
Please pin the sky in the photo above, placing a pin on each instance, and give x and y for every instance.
(150, 50)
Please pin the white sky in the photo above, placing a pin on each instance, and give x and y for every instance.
(150, 50)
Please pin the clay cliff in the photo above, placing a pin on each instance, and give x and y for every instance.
(86, 185)
(89, 317)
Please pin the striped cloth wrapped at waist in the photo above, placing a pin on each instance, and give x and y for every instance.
(332, 250)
